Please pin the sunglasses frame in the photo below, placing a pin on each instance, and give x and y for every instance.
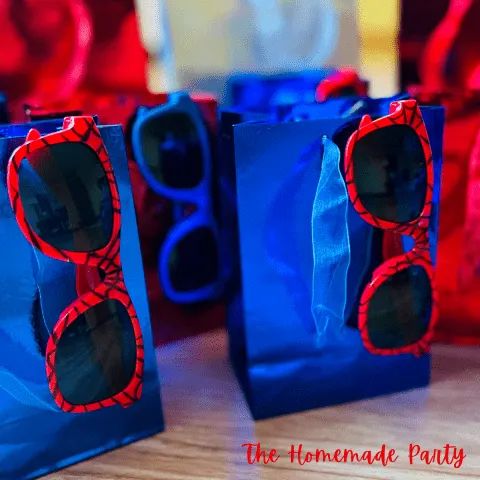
(333, 85)
(200, 196)
(81, 130)
(404, 112)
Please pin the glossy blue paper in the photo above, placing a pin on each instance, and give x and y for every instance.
(35, 436)
(288, 354)
(261, 93)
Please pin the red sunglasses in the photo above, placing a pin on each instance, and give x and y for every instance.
(389, 176)
(65, 199)
(342, 83)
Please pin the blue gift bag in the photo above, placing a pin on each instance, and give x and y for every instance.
(262, 92)
(305, 257)
(36, 437)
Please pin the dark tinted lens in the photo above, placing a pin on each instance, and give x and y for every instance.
(96, 354)
(347, 91)
(390, 173)
(66, 197)
(193, 262)
(173, 151)
(399, 311)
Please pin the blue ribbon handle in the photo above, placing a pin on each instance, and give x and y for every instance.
(331, 244)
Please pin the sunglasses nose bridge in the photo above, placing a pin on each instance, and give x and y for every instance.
(420, 236)
(87, 278)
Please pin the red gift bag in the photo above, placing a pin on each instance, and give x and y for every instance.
(448, 68)
(458, 263)
(52, 50)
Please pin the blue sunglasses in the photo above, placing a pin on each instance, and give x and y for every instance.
(171, 146)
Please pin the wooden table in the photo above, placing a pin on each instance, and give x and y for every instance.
(208, 421)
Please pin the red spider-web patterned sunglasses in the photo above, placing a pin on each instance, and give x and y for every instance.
(389, 176)
(65, 199)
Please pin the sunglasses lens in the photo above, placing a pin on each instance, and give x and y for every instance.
(66, 197)
(399, 312)
(347, 91)
(172, 150)
(390, 173)
(193, 262)
(96, 354)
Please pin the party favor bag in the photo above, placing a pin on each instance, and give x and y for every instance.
(36, 435)
(306, 255)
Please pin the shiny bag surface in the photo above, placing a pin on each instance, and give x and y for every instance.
(305, 257)
(36, 436)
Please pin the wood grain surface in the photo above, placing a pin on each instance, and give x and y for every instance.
(208, 421)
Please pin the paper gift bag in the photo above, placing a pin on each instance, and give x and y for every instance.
(36, 436)
(305, 257)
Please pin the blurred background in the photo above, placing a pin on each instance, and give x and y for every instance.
(52, 48)
(216, 37)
